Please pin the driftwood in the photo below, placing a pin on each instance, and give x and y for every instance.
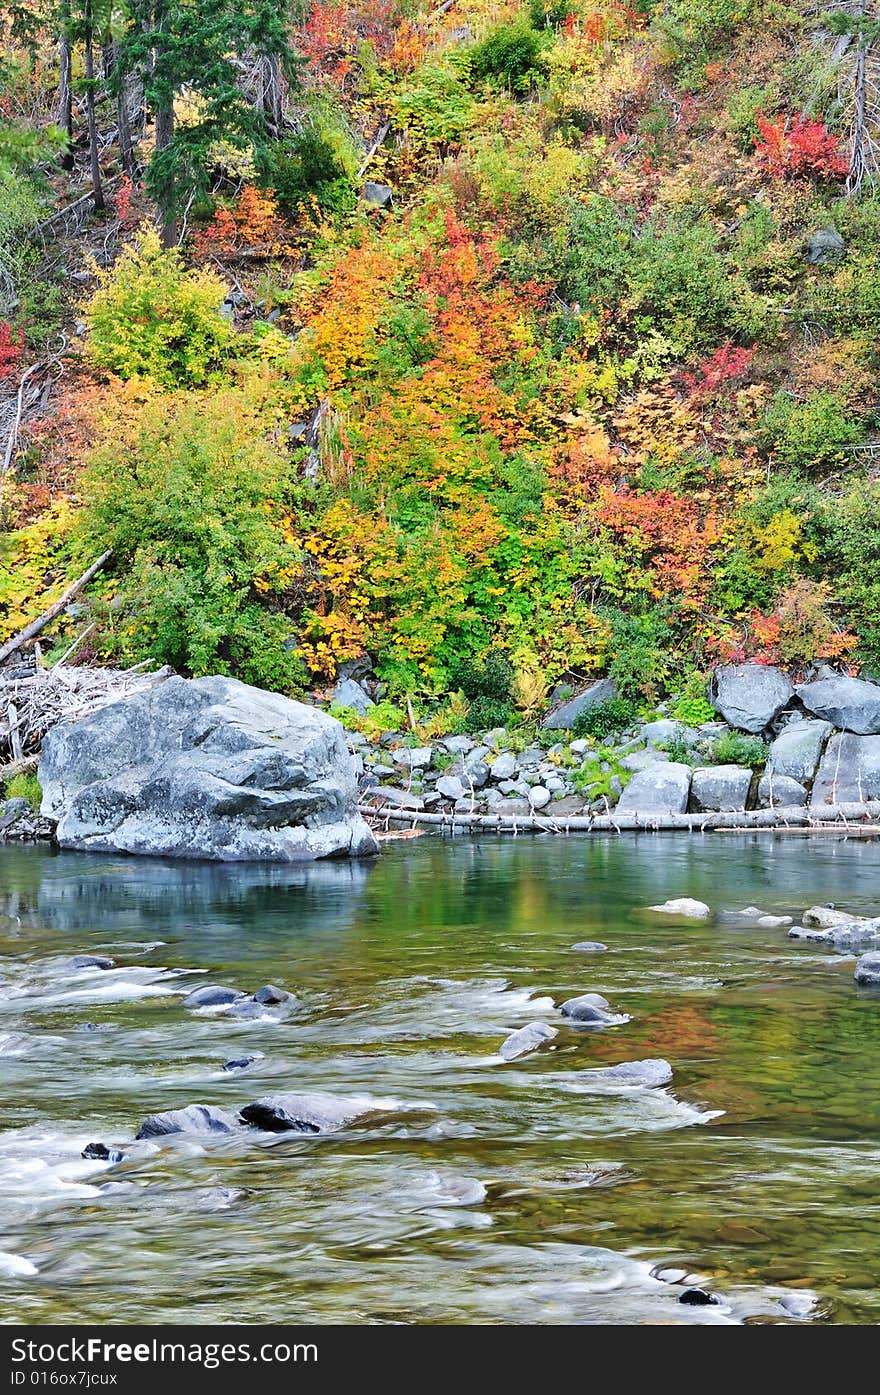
(31, 704)
(832, 816)
(18, 767)
(37, 626)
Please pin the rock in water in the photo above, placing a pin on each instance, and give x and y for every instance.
(698, 1298)
(205, 768)
(868, 970)
(526, 1039)
(591, 1009)
(194, 1118)
(315, 1113)
(848, 703)
(212, 995)
(99, 1152)
(270, 994)
(749, 696)
(590, 946)
(91, 961)
(650, 1073)
(684, 908)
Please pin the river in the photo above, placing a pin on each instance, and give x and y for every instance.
(519, 1192)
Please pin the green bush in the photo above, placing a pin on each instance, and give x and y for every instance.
(24, 787)
(488, 687)
(810, 435)
(733, 748)
(150, 317)
(191, 500)
(306, 166)
(511, 57)
(606, 719)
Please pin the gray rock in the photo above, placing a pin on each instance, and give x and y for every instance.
(651, 1073)
(848, 703)
(662, 789)
(209, 768)
(566, 715)
(722, 788)
(458, 745)
(526, 1039)
(824, 247)
(665, 730)
(684, 908)
(868, 970)
(239, 1063)
(212, 995)
(451, 787)
(749, 696)
(590, 946)
(99, 1152)
(379, 195)
(539, 796)
(795, 752)
(474, 773)
(312, 1113)
(413, 757)
(591, 1009)
(348, 693)
(779, 792)
(849, 772)
(643, 760)
(194, 1118)
(269, 994)
(91, 961)
(401, 799)
(503, 767)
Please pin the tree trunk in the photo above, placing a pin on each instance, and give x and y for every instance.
(95, 164)
(270, 94)
(857, 157)
(164, 117)
(123, 122)
(65, 91)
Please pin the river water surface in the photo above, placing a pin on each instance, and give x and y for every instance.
(490, 1192)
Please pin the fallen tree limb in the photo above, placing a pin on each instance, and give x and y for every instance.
(37, 626)
(18, 767)
(833, 816)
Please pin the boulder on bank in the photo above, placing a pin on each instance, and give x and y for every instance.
(749, 696)
(848, 703)
(566, 715)
(795, 752)
(721, 788)
(207, 768)
(664, 788)
(850, 770)
(780, 792)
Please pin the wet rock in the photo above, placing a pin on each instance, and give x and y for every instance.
(590, 1008)
(651, 1073)
(796, 750)
(567, 714)
(269, 994)
(773, 922)
(850, 770)
(848, 703)
(99, 1152)
(590, 946)
(780, 792)
(824, 916)
(239, 1063)
(312, 1113)
(749, 696)
(867, 972)
(194, 1118)
(219, 1198)
(698, 1298)
(348, 693)
(91, 961)
(798, 1305)
(246, 1008)
(94, 1027)
(206, 768)
(211, 995)
(526, 1039)
(663, 789)
(721, 788)
(684, 908)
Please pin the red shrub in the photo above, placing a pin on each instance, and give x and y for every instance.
(803, 149)
(11, 345)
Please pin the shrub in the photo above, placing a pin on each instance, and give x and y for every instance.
(25, 787)
(800, 149)
(733, 748)
(152, 318)
(509, 57)
(305, 166)
(488, 686)
(11, 345)
(692, 707)
(192, 501)
(606, 719)
(810, 435)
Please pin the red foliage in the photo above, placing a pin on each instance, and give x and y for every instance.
(716, 375)
(121, 201)
(804, 149)
(11, 346)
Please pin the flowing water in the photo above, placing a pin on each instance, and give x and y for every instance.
(486, 1192)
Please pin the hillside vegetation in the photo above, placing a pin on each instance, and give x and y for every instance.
(511, 345)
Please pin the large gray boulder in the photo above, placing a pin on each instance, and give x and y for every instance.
(348, 693)
(193, 1118)
(749, 696)
(848, 703)
(566, 715)
(311, 1113)
(780, 792)
(721, 788)
(662, 789)
(850, 770)
(795, 752)
(209, 768)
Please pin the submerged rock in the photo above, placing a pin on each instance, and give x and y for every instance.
(590, 946)
(194, 1118)
(205, 768)
(526, 1039)
(591, 1009)
(91, 961)
(269, 994)
(684, 908)
(239, 1063)
(868, 970)
(99, 1152)
(651, 1072)
(749, 696)
(313, 1113)
(212, 995)
(698, 1298)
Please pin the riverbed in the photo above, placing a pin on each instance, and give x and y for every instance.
(488, 1192)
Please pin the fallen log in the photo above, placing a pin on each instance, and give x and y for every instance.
(18, 767)
(753, 820)
(37, 626)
